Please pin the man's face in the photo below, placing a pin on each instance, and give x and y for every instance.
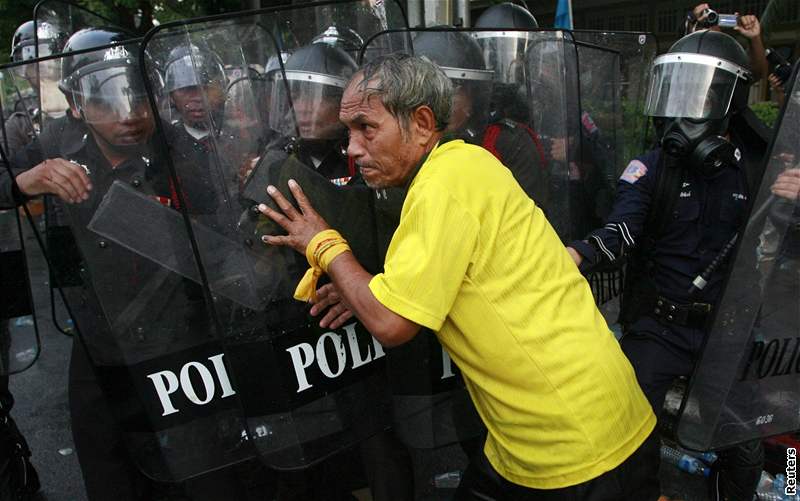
(135, 128)
(317, 114)
(385, 156)
(194, 102)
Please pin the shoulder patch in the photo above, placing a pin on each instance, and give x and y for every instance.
(634, 171)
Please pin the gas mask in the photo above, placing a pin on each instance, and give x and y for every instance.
(700, 143)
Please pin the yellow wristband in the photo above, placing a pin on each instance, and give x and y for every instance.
(320, 252)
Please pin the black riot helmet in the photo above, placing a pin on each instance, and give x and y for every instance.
(696, 86)
(85, 39)
(107, 88)
(191, 65)
(459, 56)
(23, 42)
(503, 45)
(196, 82)
(316, 75)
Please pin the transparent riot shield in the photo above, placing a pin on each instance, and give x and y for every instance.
(19, 328)
(23, 120)
(19, 333)
(552, 91)
(592, 189)
(346, 24)
(62, 19)
(306, 392)
(148, 330)
(58, 20)
(747, 381)
(623, 128)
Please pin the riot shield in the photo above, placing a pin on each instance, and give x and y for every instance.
(746, 384)
(306, 392)
(147, 330)
(623, 127)
(65, 18)
(19, 333)
(20, 343)
(550, 63)
(61, 20)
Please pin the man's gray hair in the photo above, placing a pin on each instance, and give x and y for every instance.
(404, 83)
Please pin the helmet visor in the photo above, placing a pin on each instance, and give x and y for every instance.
(692, 86)
(188, 71)
(315, 98)
(113, 94)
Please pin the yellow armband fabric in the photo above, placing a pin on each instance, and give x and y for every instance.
(321, 251)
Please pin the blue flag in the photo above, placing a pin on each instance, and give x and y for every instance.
(564, 14)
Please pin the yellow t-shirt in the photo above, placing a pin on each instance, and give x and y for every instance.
(476, 261)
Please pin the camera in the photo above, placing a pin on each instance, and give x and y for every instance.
(711, 18)
(780, 66)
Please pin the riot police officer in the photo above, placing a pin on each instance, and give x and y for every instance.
(676, 208)
(79, 164)
(304, 113)
(195, 81)
(514, 143)
(316, 75)
(21, 126)
(504, 52)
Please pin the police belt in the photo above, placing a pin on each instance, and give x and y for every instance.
(692, 315)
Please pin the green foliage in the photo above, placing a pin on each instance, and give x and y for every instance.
(135, 15)
(634, 126)
(766, 111)
(14, 13)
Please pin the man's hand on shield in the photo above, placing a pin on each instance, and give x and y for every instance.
(67, 180)
(301, 226)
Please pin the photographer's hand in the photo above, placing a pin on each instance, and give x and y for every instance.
(751, 28)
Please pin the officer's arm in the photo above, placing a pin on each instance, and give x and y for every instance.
(352, 282)
(624, 225)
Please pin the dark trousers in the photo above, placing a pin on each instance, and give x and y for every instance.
(636, 479)
(659, 354)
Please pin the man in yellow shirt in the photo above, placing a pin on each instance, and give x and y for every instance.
(475, 260)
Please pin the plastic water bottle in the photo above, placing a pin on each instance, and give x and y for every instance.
(684, 462)
(779, 485)
(708, 458)
(766, 490)
(448, 480)
(773, 489)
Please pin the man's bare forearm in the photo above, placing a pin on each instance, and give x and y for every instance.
(352, 281)
(758, 59)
